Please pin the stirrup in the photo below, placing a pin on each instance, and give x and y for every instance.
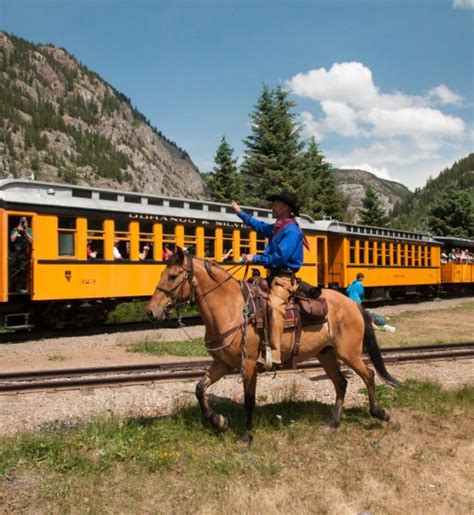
(268, 358)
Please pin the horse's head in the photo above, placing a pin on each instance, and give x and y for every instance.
(174, 286)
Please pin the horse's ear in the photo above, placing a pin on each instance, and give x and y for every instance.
(180, 254)
(168, 252)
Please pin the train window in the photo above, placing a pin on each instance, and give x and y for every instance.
(395, 253)
(146, 240)
(195, 205)
(261, 245)
(66, 236)
(155, 202)
(403, 261)
(227, 239)
(105, 195)
(190, 241)
(244, 241)
(352, 251)
(209, 243)
(122, 235)
(388, 248)
(416, 252)
(95, 236)
(362, 245)
(371, 252)
(176, 203)
(215, 209)
(379, 254)
(133, 199)
(169, 236)
(82, 193)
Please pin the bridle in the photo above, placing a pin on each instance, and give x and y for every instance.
(189, 276)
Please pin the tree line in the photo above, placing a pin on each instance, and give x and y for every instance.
(276, 158)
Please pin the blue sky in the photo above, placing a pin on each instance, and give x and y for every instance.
(383, 85)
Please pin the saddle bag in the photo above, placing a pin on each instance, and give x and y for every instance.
(313, 310)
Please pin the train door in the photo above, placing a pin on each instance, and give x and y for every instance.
(321, 260)
(18, 239)
(4, 239)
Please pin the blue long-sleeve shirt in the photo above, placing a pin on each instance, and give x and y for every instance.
(284, 250)
(356, 291)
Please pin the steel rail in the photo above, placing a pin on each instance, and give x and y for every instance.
(17, 382)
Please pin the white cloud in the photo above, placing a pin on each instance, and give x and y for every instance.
(379, 172)
(311, 128)
(463, 4)
(350, 100)
(444, 95)
(340, 118)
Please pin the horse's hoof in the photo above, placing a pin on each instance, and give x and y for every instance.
(381, 414)
(246, 438)
(219, 422)
(331, 425)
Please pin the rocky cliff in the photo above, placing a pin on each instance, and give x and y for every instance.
(64, 123)
(353, 183)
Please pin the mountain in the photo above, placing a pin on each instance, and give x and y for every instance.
(413, 212)
(66, 124)
(354, 182)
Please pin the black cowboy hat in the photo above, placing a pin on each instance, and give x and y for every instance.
(288, 199)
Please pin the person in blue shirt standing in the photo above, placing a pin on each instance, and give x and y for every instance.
(356, 289)
(283, 257)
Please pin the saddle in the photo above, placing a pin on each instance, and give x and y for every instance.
(305, 307)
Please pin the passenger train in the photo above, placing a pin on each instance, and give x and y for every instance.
(66, 286)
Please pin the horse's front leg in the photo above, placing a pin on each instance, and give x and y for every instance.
(250, 387)
(213, 374)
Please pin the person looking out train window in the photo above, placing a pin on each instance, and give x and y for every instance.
(21, 238)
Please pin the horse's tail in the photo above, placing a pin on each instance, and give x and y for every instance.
(372, 348)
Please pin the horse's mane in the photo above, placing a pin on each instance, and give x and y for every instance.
(208, 265)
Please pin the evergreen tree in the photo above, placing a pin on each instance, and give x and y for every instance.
(319, 194)
(224, 181)
(451, 213)
(272, 159)
(372, 212)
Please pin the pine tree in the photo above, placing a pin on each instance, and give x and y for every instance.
(319, 194)
(451, 213)
(272, 160)
(372, 212)
(224, 181)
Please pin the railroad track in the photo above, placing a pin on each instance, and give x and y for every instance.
(21, 382)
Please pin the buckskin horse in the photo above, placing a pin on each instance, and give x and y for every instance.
(235, 345)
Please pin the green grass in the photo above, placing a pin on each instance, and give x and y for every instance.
(181, 443)
(136, 312)
(193, 347)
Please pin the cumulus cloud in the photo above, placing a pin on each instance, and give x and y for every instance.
(463, 4)
(353, 105)
(444, 95)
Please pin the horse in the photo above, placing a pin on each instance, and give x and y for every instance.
(234, 344)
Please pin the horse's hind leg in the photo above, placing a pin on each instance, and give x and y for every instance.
(367, 375)
(213, 374)
(328, 360)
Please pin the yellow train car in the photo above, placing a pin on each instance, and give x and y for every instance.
(393, 262)
(70, 224)
(457, 264)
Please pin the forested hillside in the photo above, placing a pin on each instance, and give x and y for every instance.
(415, 212)
(64, 123)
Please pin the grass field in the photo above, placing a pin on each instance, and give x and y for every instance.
(420, 462)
